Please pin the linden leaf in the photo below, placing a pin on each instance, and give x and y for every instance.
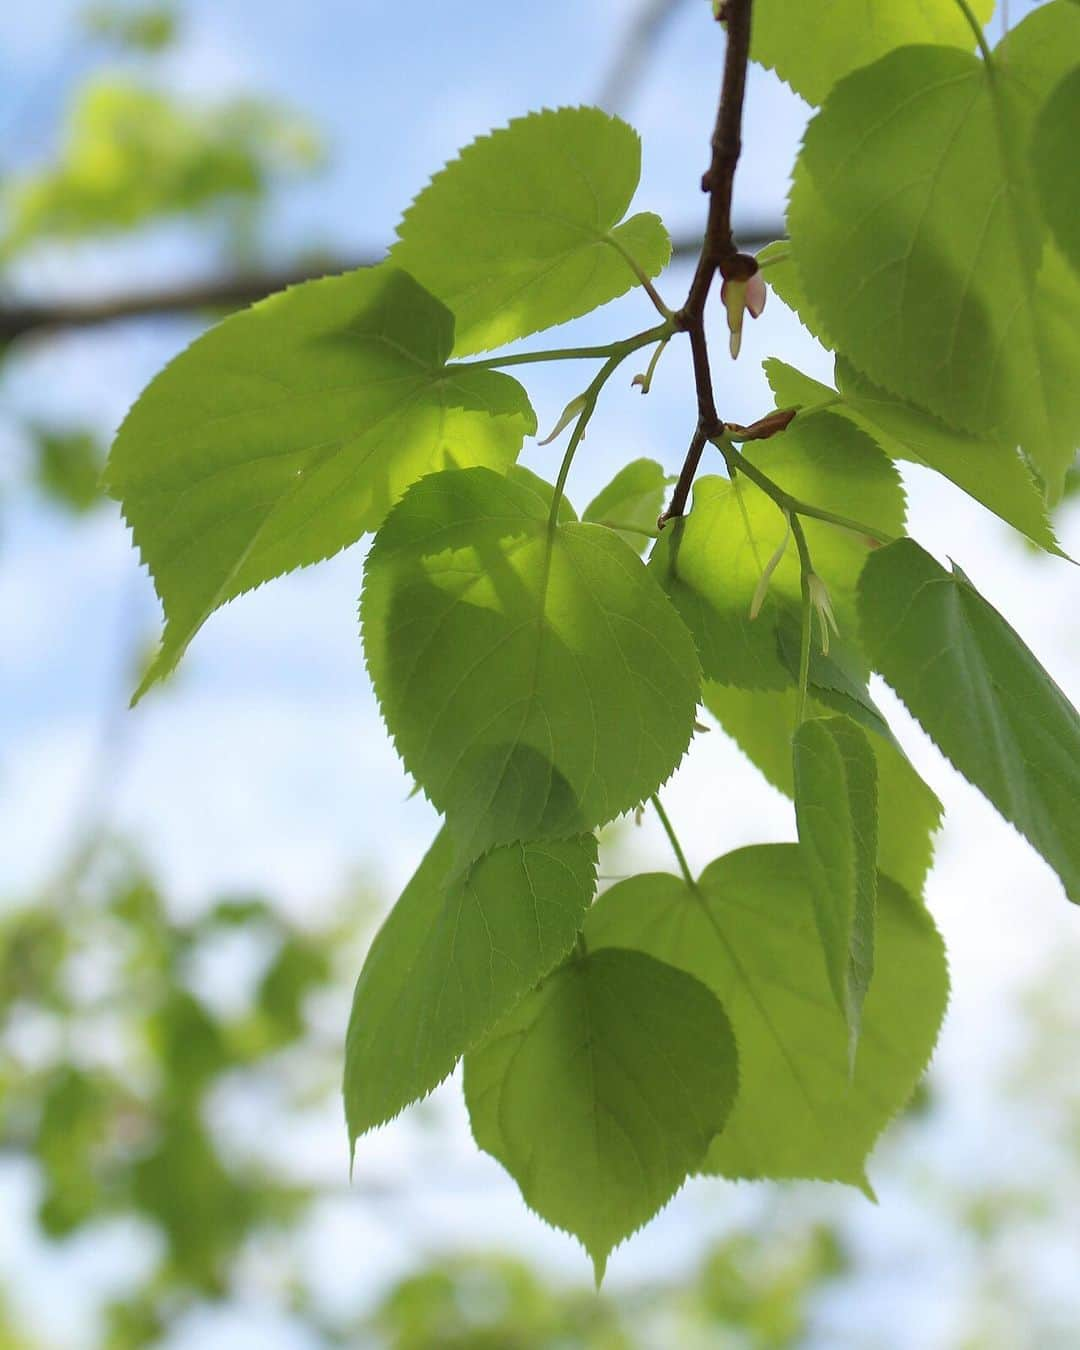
(748, 932)
(522, 231)
(601, 1092)
(536, 680)
(287, 431)
(980, 694)
(456, 952)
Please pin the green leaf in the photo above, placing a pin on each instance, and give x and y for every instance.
(909, 814)
(749, 933)
(811, 50)
(980, 694)
(989, 470)
(601, 1092)
(287, 431)
(710, 561)
(634, 497)
(521, 231)
(536, 681)
(456, 953)
(1057, 134)
(929, 275)
(836, 807)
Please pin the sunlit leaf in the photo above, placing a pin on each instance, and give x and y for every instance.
(522, 231)
(634, 497)
(601, 1092)
(457, 951)
(748, 932)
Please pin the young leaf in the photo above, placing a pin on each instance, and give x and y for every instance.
(929, 275)
(536, 681)
(836, 807)
(980, 694)
(634, 497)
(455, 954)
(521, 231)
(989, 470)
(909, 814)
(602, 1091)
(710, 562)
(812, 55)
(286, 432)
(1057, 134)
(748, 933)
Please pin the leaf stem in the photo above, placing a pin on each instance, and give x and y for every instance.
(976, 28)
(673, 840)
(600, 353)
(786, 502)
(805, 568)
(638, 271)
(619, 351)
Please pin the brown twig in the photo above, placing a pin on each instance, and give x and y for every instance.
(718, 250)
(233, 291)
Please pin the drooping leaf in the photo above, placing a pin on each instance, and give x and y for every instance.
(1054, 146)
(634, 497)
(537, 682)
(749, 934)
(710, 561)
(812, 49)
(287, 431)
(601, 1092)
(980, 694)
(989, 470)
(761, 722)
(457, 951)
(836, 807)
(522, 231)
(930, 275)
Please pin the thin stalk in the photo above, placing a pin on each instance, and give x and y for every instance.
(599, 353)
(794, 505)
(639, 272)
(976, 28)
(673, 840)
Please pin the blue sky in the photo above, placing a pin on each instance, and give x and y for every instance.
(266, 764)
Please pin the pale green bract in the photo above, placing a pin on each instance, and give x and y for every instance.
(634, 497)
(602, 1091)
(710, 562)
(748, 933)
(522, 231)
(980, 694)
(990, 471)
(536, 681)
(909, 814)
(836, 807)
(456, 952)
(811, 47)
(930, 276)
(287, 431)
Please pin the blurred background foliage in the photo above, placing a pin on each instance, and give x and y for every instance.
(125, 1024)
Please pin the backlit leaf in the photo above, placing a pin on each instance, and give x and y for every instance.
(811, 49)
(634, 497)
(522, 231)
(287, 431)
(455, 954)
(537, 682)
(919, 244)
(749, 933)
(602, 1091)
(980, 693)
(710, 561)
(1057, 134)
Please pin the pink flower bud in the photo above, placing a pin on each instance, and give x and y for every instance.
(738, 297)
